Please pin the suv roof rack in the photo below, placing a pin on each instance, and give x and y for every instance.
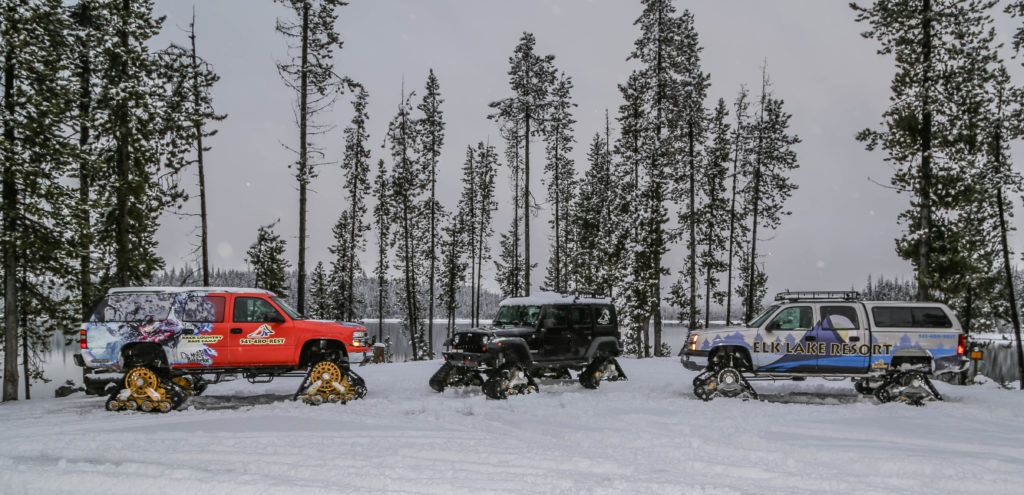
(818, 295)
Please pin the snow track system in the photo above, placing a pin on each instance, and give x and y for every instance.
(912, 387)
(723, 382)
(327, 383)
(144, 390)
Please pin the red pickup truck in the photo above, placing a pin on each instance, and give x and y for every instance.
(167, 339)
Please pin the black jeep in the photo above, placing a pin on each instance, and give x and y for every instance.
(540, 336)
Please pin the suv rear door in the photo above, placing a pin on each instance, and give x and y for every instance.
(205, 340)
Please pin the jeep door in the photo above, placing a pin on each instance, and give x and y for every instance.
(554, 332)
(582, 330)
(261, 332)
(785, 341)
(844, 333)
(205, 341)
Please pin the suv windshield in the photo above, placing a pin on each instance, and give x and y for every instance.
(756, 322)
(517, 315)
(295, 315)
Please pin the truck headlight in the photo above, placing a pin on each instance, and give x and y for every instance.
(693, 341)
(359, 339)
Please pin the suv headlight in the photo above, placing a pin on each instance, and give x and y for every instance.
(692, 344)
(359, 339)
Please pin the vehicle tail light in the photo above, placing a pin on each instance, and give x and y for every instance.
(82, 339)
(961, 346)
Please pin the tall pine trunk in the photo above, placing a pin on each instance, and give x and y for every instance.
(691, 151)
(1010, 293)
(732, 236)
(303, 158)
(526, 206)
(925, 136)
(10, 226)
(84, 168)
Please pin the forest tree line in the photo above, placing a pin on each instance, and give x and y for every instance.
(99, 124)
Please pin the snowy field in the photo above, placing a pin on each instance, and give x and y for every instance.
(646, 435)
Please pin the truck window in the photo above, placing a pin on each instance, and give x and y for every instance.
(558, 314)
(204, 309)
(133, 307)
(253, 310)
(910, 316)
(841, 317)
(581, 316)
(794, 318)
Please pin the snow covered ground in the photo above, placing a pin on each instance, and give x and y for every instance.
(645, 435)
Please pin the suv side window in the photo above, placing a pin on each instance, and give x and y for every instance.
(204, 309)
(841, 317)
(254, 310)
(793, 318)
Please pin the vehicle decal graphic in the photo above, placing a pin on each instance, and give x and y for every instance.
(261, 336)
(153, 318)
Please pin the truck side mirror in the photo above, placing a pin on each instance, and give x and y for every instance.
(273, 317)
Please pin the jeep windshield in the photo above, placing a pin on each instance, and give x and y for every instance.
(517, 316)
(756, 322)
(133, 307)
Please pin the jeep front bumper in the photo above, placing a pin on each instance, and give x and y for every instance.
(470, 359)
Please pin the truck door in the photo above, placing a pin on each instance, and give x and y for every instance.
(262, 333)
(787, 339)
(205, 341)
(847, 348)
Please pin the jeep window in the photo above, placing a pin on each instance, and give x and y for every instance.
(560, 316)
(295, 315)
(254, 310)
(517, 315)
(756, 322)
(908, 316)
(793, 318)
(604, 315)
(204, 309)
(841, 317)
(133, 307)
(581, 316)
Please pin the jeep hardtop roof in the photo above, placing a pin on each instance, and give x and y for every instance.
(158, 290)
(541, 298)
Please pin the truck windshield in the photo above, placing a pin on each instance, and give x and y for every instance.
(517, 315)
(295, 315)
(756, 322)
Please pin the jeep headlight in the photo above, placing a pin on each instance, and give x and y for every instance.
(359, 339)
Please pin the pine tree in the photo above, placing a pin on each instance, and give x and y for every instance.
(737, 212)
(509, 267)
(593, 223)
(453, 267)
(320, 301)
(310, 73)
(531, 77)
(349, 231)
(914, 134)
(767, 188)
(407, 185)
(689, 129)
(34, 199)
(266, 259)
(561, 172)
(484, 176)
(714, 215)
(382, 225)
(431, 130)
(189, 86)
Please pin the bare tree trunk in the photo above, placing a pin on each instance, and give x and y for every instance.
(526, 208)
(204, 237)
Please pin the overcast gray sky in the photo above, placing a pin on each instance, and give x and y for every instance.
(842, 227)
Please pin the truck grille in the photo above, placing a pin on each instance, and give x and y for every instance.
(468, 342)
